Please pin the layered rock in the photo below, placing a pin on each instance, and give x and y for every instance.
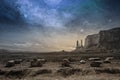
(92, 41)
(106, 39)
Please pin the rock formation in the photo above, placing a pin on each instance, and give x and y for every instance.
(92, 41)
(106, 39)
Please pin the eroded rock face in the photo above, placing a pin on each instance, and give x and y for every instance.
(110, 39)
(92, 41)
(106, 39)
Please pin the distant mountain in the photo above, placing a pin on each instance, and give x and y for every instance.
(4, 51)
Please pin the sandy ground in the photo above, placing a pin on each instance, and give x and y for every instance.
(55, 66)
(52, 69)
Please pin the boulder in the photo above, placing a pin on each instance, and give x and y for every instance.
(35, 63)
(108, 60)
(66, 63)
(82, 61)
(94, 59)
(43, 61)
(10, 63)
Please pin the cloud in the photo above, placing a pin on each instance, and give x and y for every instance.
(34, 14)
(22, 44)
(9, 13)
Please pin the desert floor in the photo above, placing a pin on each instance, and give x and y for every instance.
(52, 69)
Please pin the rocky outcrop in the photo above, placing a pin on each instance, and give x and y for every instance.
(92, 41)
(106, 39)
(110, 39)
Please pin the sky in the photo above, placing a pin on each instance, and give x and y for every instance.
(53, 25)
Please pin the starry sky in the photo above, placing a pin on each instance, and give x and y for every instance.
(53, 25)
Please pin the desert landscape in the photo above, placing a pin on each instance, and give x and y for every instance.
(57, 66)
(99, 59)
(59, 39)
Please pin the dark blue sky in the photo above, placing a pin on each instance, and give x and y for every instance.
(48, 25)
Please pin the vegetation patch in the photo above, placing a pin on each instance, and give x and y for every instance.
(17, 73)
(108, 70)
(68, 71)
(41, 71)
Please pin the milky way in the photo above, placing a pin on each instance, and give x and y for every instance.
(52, 25)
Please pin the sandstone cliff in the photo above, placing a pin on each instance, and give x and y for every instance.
(106, 39)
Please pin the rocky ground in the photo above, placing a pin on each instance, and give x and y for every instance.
(52, 70)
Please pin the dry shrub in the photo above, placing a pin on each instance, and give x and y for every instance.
(17, 73)
(85, 72)
(41, 71)
(71, 59)
(35, 64)
(2, 72)
(68, 71)
(65, 63)
(95, 64)
(108, 70)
